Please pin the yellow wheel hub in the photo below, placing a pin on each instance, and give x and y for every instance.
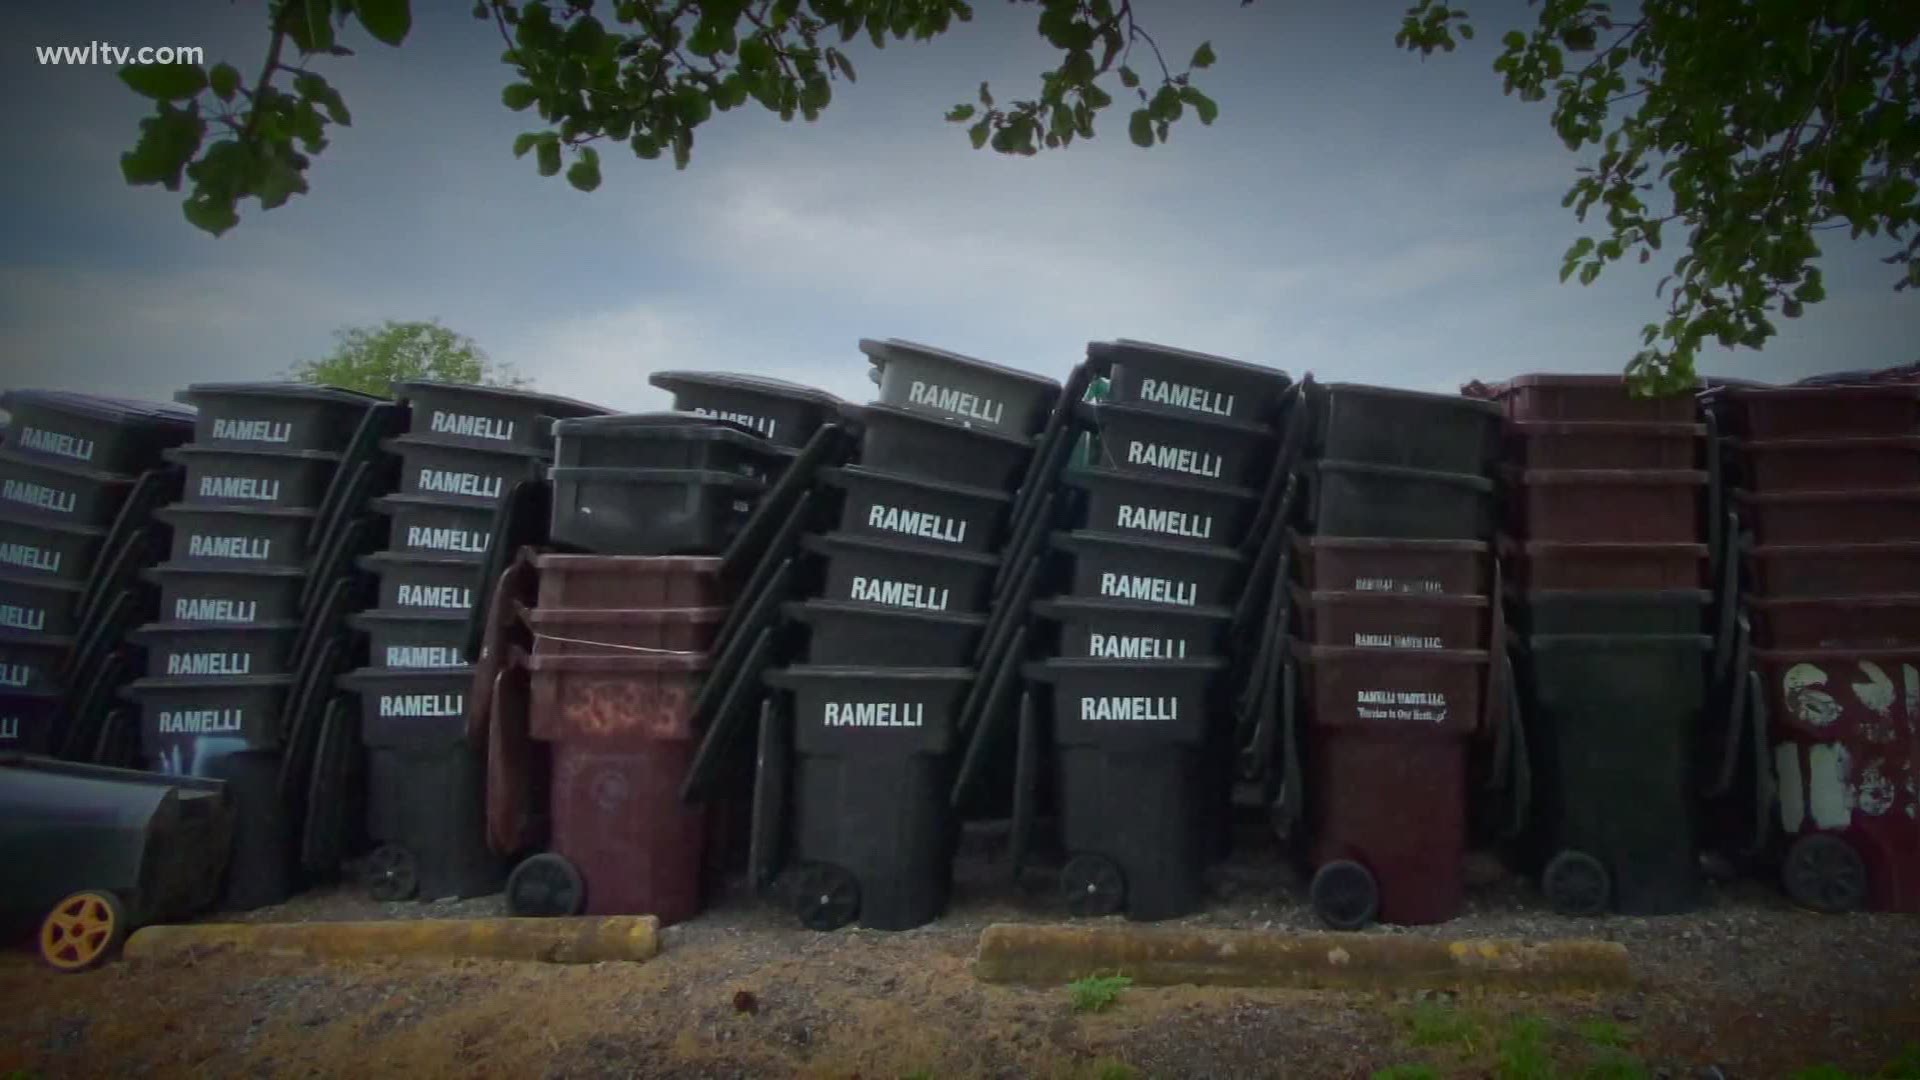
(80, 931)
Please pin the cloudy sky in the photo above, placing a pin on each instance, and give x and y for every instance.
(1354, 212)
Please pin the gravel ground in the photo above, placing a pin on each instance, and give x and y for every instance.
(1745, 987)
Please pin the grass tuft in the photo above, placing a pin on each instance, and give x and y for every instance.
(1096, 993)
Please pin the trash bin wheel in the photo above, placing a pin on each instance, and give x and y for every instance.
(545, 886)
(825, 897)
(83, 930)
(1344, 895)
(392, 874)
(1092, 885)
(1576, 884)
(1826, 874)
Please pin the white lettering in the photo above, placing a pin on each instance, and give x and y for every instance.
(1153, 589)
(223, 611)
(761, 424)
(29, 557)
(15, 617)
(472, 427)
(450, 597)
(202, 722)
(57, 443)
(899, 594)
(1135, 709)
(1168, 522)
(246, 488)
(917, 523)
(15, 675)
(1115, 647)
(942, 399)
(423, 706)
(1174, 459)
(875, 714)
(209, 664)
(461, 483)
(1186, 397)
(261, 431)
(251, 548)
(53, 500)
(421, 537)
(1396, 641)
(424, 656)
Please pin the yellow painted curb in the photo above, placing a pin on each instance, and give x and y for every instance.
(555, 941)
(1151, 956)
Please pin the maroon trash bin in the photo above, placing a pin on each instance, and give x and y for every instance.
(1387, 794)
(628, 581)
(1798, 412)
(1832, 516)
(1379, 565)
(1544, 564)
(1832, 463)
(1644, 506)
(1591, 398)
(1603, 444)
(1782, 570)
(1845, 733)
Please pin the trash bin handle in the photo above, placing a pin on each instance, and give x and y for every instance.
(1522, 763)
(1736, 717)
(1716, 498)
(1763, 778)
(1497, 659)
(1288, 809)
(1728, 585)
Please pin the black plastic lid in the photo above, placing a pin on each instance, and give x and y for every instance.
(802, 611)
(373, 678)
(1084, 539)
(1461, 401)
(881, 351)
(290, 390)
(400, 444)
(662, 425)
(149, 631)
(840, 475)
(1120, 350)
(140, 687)
(1091, 476)
(1067, 608)
(828, 542)
(1050, 670)
(220, 568)
(361, 620)
(789, 677)
(673, 381)
(120, 412)
(1401, 472)
(558, 406)
(1202, 423)
(959, 429)
(229, 510)
(379, 561)
(183, 454)
(620, 474)
(393, 504)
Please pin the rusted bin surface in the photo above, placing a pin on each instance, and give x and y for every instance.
(622, 631)
(1555, 565)
(1387, 793)
(1817, 570)
(1381, 620)
(623, 581)
(623, 740)
(1374, 565)
(1798, 412)
(1837, 622)
(1625, 506)
(1591, 397)
(1846, 759)
(1832, 517)
(1604, 444)
(1873, 463)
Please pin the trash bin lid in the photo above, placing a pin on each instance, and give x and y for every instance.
(1121, 349)
(658, 425)
(121, 412)
(879, 352)
(295, 390)
(673, 381)
(551, 403)
(1424, 397)
(1552, 380)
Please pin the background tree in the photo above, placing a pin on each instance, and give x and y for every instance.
(1745, 126)
(371, 358)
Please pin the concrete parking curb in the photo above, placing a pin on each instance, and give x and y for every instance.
(555, 941)
(1151, 956)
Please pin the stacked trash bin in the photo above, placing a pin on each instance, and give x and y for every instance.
(79, 478)
(1609, 508)
(1829, 501)
(1396, 655)
(1156, 515)
(894, 629)
(465, 449)
(224, 661)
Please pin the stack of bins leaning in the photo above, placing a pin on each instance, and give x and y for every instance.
(1829, 501)
(620, 625)
(464, 451)
(1157, 512)
(1608, 509)
(1395, 646)
(225, 660)
(80, 477)
(893, 632)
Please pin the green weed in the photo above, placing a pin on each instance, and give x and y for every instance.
(1604, 1033)
(1096, 992)
(1523, 1053)
(1434, 1024)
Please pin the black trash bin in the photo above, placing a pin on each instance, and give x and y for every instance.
(929, 447)
(1348, 499)
(40, 605)
(666, 441)
(32, 662)
(1092, 628)
(1153, 571)
(221, 593)
(1185, 382)
(213, 649)
(975, 392)
(37, 489)
(266, 536)
(31, 722)
(94, 433)
(275, 415)
(263, 478)
(1379, 425)
(475, 476)
(900, 573)
(412, 640)
(1164, 507)
(843, 633)
(486, 417)
(1137, 786)
(620, 511)
(872, 833)
(437, 524)
(43, 549)
(178, 712)
(888, 505)
(785, 414)
(1611, 734)
(1149, 441)
(420, 584)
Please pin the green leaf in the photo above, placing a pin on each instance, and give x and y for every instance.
(524, 142)
(1203, 106)
(517, 96)
(1140, 128)
(978, 133)
(960, 114)
(168, 140)
(1514, 39)
(279, 180)
(584, 174)
(387, 20)
(225, 80)
(547, 157)
(986, 98)
(1129, 78)
(319, 26)
(1095, 97)
(1203, 56)
(164, 82)
(1466, 31)
(210, 214)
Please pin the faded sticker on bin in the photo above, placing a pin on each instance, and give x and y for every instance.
(1201, 463)
(1417, 705)
(1157, 590)
(765, 425)
(446, 482)
(213, 609)
(54, 443)
(1396, 641)
(955, 402)
(39, 496)
(210, 663)
(422, 706)
(874, 714)
(1166, 522)
(1130, 709)
(239, 488)
(1135, 647)
(492, 428)
(246, 548)
(917, 523)
(256, 431)
(1191, 398)
(900, 594)
(1397, 585)
(31, 557)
